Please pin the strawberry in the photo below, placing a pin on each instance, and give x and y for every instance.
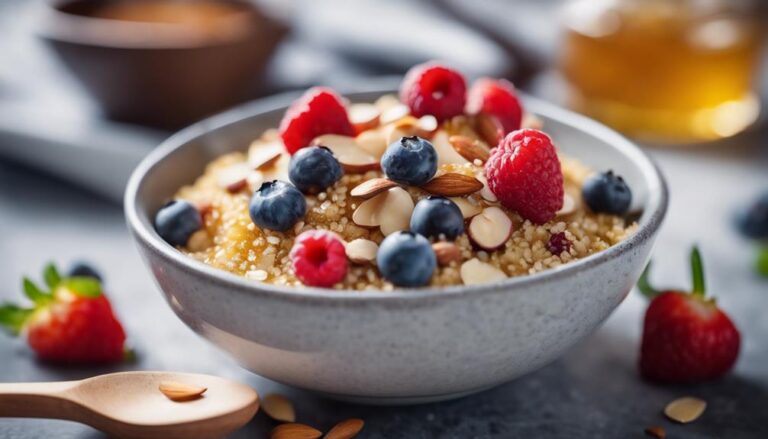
(72, 322)
(686, 337)
(318, 111)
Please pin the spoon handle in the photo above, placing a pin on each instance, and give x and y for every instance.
(36, 400)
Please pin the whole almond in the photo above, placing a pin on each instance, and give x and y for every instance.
(446, 252)
(278, 408)
(346, 429)
(372, 187)
(177, 391)
(489, 128)
(470, 149)
(685, 410)
(294, 431)
(453, 185)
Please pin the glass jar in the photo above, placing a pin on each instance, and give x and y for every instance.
(673, 71)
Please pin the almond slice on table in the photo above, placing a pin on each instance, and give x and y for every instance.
(686, 409)
(177, 391)
(446, 154)
(452, 185)
(263, 154)
(371, 188)
(346, 429)
(350, 155)
(475, 271)
(374, 142)
(278, 408)
(486, 192)
(294, 431)
(234, 178)
(468, 209)
(390, 210)
(363, 116)
(361, 251)
(469, 148)
(446, 252)
(490, 229)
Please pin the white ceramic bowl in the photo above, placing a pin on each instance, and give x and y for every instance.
(405, 346)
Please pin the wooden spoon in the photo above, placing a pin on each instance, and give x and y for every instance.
(130, 404)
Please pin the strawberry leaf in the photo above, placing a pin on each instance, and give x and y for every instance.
(51, 276)
(697, 272)
(83, 286)
(34, 293)
(13, 317)
(762, 262)
(644, 285)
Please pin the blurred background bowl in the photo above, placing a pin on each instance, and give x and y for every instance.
(162, 64)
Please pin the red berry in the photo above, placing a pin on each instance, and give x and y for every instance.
(434, 89)
(319, 258)
(525, 174)
(497, 98)
(558, 243)
(318, 111)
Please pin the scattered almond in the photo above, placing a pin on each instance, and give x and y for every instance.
(374, 142)
(656, 432)
(452, 185)
(361, 251)
(489, 128)
(446, 154)
(469, 148)
(350, 155)
(294, 431)
(685, 410)
(177, 391)
(234, 178)
(427, 126)
(263, 154)
(371, 188)
(490, 229)
(386, 102)
(486, 192)
(569, 205)
(446, 252)
(390, 210)
(346, 429)
(394, 113)
(468, 208)
(278, 170)
(474, 272)
(199, 241)
(278, 408)
(363, 116)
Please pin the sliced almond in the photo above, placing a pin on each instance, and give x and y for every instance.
(469, 148)
(394, 113)
(386, 102)
(489, 128)
(452, 185)
(234, 178)
(278, 407)
(278, 170)
(177, 391)
(350, 155)
(361, 251)
(294, 431)
(393, 134)
(363, 116)
(427, 126)
(446, 252)
(656, 432)
(486, 192)
(446, 154)
(390, 210)
(569, 205)
(346, 429)
(374, 142)
(531, 121)
(263, 154)
(371, 188)
(468, 209)
(255, 179)
(199, 241)
(475, 271)
(490, 229)
(686, 409)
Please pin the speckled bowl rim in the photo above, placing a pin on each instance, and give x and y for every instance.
(140, 225)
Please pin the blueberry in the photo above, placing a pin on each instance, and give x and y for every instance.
(410, 160)
(277, 205)
(313, 169)
(607, 193)
(753, 221)
(435, 216)
(177, 221)
(84, 269)
(406, 259)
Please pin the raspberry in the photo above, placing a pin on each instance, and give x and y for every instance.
(558, 244)
(319, 258)
(525, 174)
(318, 111)
(434, 89)
(497, 98)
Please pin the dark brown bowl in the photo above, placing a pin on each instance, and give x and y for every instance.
(162, 74)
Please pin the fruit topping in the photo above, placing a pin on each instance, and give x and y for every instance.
(70, 322)
(83, 269)
(452, 185)
(348, 152)
(177, 221)
(437, 217)
(474, 272)
(524, 173)
(314, 169)
(406, 259)
(433, 89)
(753, 221)
(490, 229)
(318, 111)
(606, 192)
(277, 205)
(390, 210)
(558, 243)
(410, 160)
(497, 98)
(318, 258)
(686, 337)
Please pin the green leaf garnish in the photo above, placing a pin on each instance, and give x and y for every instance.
(12, 317)
(645, 286)
(34, 293)
(83, 286)
(51, 276)
(762, 262)
(697, 272)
